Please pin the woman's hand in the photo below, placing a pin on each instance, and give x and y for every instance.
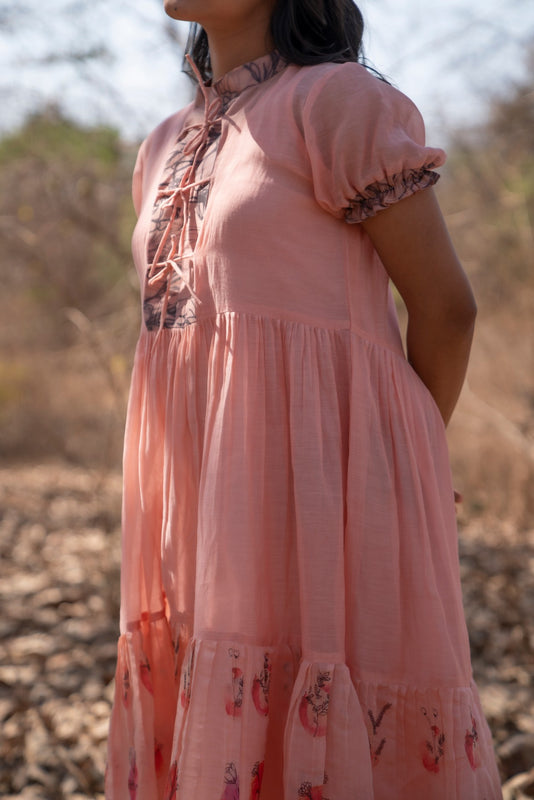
(412, 241)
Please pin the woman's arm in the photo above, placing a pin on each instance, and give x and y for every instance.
(413, 244)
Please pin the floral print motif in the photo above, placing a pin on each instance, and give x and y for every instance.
(433, 749)
(132, 775)
(313, 708)
(158, 757)
(382, 194)
(231, 781)
(472, 747)
(308, 792)
(258, 71)
(176, 650)
(263, 70)
(234, 694)
(181, 201)
(126, 687)
(187, 673)
(257, 777)
(146, 675)
(376, 746)
(172, 785)
(260, 687)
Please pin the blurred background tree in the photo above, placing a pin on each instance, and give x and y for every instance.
(68, 315)
(488, 195)
(68, 309)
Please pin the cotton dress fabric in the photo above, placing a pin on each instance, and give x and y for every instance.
(291, 621)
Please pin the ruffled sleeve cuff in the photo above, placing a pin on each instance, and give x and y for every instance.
(382, 194)
(365, 142)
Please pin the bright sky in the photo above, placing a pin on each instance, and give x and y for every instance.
(449, 56)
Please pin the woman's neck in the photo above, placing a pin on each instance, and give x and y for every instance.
(231, 48)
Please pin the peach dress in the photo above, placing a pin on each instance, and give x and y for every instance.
(291, 622)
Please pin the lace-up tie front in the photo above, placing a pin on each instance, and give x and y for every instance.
(179, 201)
(164, 270)
(170, 300)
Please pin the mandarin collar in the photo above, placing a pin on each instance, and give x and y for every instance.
(243, 77)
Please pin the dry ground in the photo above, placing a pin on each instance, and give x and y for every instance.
(59, 544)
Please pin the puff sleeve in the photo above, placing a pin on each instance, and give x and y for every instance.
(366, 143)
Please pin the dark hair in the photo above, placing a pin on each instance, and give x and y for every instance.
(304, 32)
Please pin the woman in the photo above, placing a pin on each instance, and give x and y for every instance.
(291, 620)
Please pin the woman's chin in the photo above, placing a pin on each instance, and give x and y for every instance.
(179, 9)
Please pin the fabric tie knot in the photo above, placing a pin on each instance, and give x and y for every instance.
(163, 270)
